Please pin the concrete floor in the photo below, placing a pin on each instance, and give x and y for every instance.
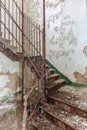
(11, 115)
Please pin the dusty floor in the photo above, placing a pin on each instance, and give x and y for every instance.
(10, 115)
(79, 92)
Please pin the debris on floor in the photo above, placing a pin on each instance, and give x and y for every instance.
(10, 115)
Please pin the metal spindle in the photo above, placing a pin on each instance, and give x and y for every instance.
(19, 32)
(9, 19)
(34, 39)
(31, 39)
(12, 23)
(29, 35)
(16, 21)
(5, 20)
(39, 42)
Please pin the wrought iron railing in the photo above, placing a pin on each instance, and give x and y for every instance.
(24, 34)
(28, 38)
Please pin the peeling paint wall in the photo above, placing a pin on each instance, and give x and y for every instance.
(66, 36)
(10, 72)
(10, 79)
(65, 44)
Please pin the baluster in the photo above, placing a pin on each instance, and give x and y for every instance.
(4, 20)
(29, 35)
(12, 23)
(9, 20)
(31, 40)
(34, 40)
(39, 40)
(19, 32)
(16, 21)
(25, 113)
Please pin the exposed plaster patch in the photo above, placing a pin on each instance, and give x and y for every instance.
(80, 78)
(85, 74)
(10, 80)
(14, 81)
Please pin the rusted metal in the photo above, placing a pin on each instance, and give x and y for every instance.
(25, 113)
(34, 45)
(44, 45)
(13, 23)
(44, 32)
(22, 48)
(9, 19)
(5, 20)
(16, 26)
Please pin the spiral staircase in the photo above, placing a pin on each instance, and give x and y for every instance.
(45, 108)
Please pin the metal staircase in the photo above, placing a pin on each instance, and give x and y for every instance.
(22, 39)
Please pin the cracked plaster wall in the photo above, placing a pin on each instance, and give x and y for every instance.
(10, 72)
(10, 80)
(66, 36)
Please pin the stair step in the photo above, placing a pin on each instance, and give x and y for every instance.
(52, 78)
(56, 84)
(67, 120)
(42, 123)
(68, 105)
(51, 71)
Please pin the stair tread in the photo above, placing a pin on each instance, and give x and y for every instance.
(52, 76)
(74, 121)
(51, 70)
(69, 100)
(42, 123)
(54, 83)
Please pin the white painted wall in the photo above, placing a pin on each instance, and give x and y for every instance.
(67, 29)
(66, 34)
